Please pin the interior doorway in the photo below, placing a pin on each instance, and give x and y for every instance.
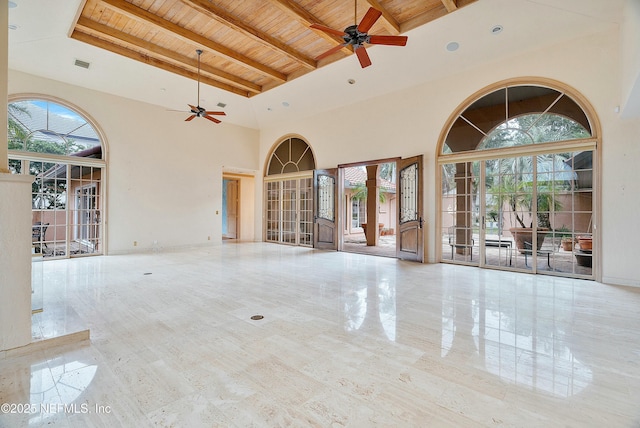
(230, 208)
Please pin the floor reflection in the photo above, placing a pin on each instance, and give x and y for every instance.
(56, 385)
(374, 302)
(522, 343)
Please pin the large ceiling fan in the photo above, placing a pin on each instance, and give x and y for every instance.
(356, 36)
(198, 111)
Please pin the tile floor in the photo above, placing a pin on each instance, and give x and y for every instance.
(346, 340)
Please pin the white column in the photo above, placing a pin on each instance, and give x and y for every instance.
(15, 226)
(15, 260)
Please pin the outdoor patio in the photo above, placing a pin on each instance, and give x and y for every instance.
(551, 257)
(357, 243)
(59, 249)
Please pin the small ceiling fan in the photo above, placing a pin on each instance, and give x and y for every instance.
(356, 36)
(198, 111)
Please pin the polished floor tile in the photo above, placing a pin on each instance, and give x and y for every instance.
(346, 340)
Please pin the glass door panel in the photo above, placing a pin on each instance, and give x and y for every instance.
(85, 210)
(536, 210)
(49, 208)
(273, 211)
(289, 211)
(306, 212)
(565, 204)
(460, 216)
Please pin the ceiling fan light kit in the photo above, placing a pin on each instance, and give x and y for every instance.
(197, 111)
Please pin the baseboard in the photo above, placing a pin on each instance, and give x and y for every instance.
(620, 281)
(80, 337)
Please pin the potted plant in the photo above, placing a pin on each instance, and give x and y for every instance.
(567, 243)
(518, 197)
(515, 191)
(585, 242)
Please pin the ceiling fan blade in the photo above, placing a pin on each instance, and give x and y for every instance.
(363, 57)
(219, 113)
(369, 19)
(330, 52)
(194, 109)
(388, 40)
(190, 118)
(328, 30)
(212, 119)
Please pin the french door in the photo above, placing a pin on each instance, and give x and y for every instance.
(289, 213)
(410, 241)
(87, 217)
(527, 213)
(66, 206)
(325, 197)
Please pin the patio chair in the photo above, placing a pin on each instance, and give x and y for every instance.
(458, 239)
(528, 250)
(38, 232)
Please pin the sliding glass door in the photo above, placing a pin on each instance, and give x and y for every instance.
(527, 213)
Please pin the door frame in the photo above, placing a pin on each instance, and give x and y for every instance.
(419, 253)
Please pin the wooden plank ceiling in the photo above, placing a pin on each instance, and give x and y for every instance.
(249, 46)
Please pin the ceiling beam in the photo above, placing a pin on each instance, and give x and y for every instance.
(91, 27)
(188, 36)
(219, 14)
(146, 59)
(303, 16)
(433, 14)
(450, 5)
(391, 24)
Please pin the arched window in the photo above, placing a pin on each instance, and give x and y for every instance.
(291, 155)
(43, 126)
(289, 193)
(63, 150)
(516, 116)
(518, 176)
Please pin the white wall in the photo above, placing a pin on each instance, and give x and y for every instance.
(164, 174)
(630, 59)
(409, 122)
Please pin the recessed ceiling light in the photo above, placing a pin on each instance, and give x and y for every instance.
(453, 46)
(12, 5)
(351, 81)
(496, 29)
(221, 105)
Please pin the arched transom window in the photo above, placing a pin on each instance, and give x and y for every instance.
(43, 126)
(516, 116)
(291, 155)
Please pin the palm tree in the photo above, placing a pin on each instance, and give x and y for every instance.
(515, 187)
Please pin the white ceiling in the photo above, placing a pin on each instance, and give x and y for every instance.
(40, 46)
